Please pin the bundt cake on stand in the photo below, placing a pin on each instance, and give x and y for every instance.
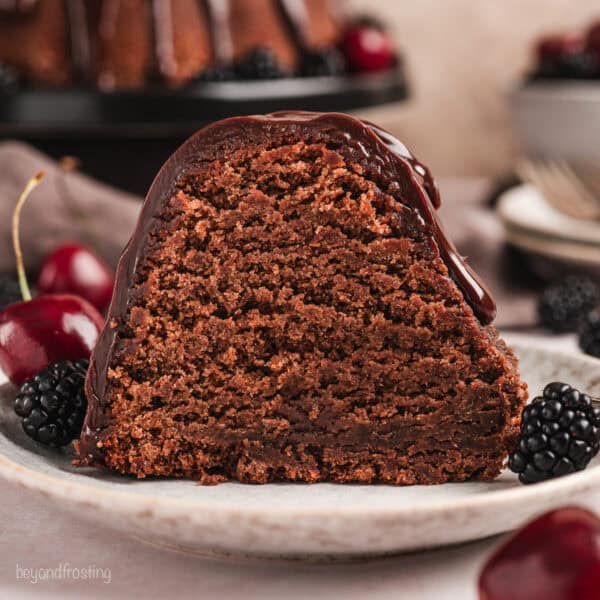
(125, 44)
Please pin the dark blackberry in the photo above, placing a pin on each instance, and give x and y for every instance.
(323, 63)
(10, 292)
(589, 336)
(217, 74)
(560, 434)
(578, 65)
(260, 63)
(9, 79)
(52, 404)
(564, 304)
(569, 65)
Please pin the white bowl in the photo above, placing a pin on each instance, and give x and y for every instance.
(559, 120)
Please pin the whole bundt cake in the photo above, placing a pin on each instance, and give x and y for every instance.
(290, 309)
(123, 44)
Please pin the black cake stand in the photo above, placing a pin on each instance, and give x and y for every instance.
(124, 137)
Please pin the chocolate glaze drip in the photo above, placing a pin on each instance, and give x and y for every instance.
(398, 148)
(296, 15)
(18, 6)
(160, 22)
(80, 36)
(164, 37)
(109, 15)
(220, 31)
(390, 159)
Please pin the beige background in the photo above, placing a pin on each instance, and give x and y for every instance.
(463, 58)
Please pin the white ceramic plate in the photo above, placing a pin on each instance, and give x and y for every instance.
(533, 225)
(524, 207)
(305, 521)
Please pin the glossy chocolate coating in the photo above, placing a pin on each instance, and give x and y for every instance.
(388, 156)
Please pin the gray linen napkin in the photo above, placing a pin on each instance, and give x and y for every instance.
(46, 220)
(111, 215)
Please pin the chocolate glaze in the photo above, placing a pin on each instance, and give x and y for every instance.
(85, 19)
(164, 38)
(220, 31)
(18, 6)
(384, 153)
(296, 15)
(81, 20)
(80, 35)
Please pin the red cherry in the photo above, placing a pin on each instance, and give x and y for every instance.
(587, 586)
(367, 48)
(555, 557)
(37, 333)
(593, 38)
(75, 269)
(553, 47)
(45, 330)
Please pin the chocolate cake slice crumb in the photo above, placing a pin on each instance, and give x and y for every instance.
(289, 309)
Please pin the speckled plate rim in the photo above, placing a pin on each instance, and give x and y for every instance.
(34, 480)
(167, 511)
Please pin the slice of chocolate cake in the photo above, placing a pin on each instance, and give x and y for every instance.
(289, 309)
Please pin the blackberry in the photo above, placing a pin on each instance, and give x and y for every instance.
(52, 404)
(9, 79)
(589, 336)
(560, 434)
(578, 65)
(323, 63)
(9, 292)
(217, 74)
(260, 63)
(564, 304)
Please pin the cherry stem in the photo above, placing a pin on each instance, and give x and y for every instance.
(31, 185)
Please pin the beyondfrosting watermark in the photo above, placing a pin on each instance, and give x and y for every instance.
(63, 572)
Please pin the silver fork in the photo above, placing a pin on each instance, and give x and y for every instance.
(561, 187)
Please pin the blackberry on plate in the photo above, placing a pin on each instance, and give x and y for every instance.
(323, 63)
(560, 434)
(564, 304)
(9, 79)
(589, 336)
(578, 65)
(217, 74)
(52, 405)
(10, 292)
(260, 63)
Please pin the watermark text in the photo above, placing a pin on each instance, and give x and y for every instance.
(63, 572)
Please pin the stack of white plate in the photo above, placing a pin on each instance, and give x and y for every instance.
(556, 120)
(532, 225)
